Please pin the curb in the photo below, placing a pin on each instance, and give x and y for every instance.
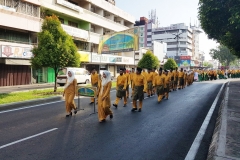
(29, 103)
(215, 143)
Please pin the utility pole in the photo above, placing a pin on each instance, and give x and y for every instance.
(177, 37)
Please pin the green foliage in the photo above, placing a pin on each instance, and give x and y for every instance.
(149, 60)
(207, 64)
(56, 48)
(223, 55)
(170, 64)
(221, 21)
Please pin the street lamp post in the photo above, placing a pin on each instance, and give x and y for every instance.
(177, 37)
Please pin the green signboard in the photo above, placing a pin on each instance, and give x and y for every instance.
(87, 91)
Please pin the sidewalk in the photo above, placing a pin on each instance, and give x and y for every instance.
(226, 139)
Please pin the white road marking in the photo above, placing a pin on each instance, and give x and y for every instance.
(24, 139)
(197, 141)
(17, 109)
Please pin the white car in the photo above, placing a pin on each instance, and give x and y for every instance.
(81, 74)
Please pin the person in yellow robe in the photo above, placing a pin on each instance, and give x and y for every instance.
(175, 74)
(144, 73)
(184, 78)
(121, 86)
(149, 78)
(155, 73)
(158, 83)
(132, 74)
(104, 99)
(94, 82)
(69, 93)
(170, 73)
(167, 82)
(181, 80)
(127, 75)
(139, 87)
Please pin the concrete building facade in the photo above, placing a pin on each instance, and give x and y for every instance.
(84, 20)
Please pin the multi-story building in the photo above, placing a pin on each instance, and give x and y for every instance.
(84, 20)
(178, 38)
(158, 48)
(19, 24)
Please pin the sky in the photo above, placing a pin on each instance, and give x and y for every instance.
(169, 12)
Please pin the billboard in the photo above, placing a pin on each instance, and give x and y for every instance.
(183, 61)
(124, 41)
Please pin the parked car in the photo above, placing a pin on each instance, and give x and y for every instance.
(81, 74)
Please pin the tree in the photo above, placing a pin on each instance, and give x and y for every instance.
(170, 64)
(223, 55)
(149, 60)
(55, 49)
(207, 64)
(220, 20)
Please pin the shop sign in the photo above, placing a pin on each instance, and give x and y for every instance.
(99, 58)
(16, 52)
(185, 57)
(111, 59)
(84, 57)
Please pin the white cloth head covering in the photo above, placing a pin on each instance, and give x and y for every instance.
(107, 79)
(69, 79)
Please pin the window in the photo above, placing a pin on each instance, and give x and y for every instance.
(14, 36)
(172, 49)
(149, 36)
(183, 43)
(73, 24)
(149, 41)
(61, 20)
(172, 43)
(149, 30)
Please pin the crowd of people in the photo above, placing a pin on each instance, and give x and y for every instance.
(152, 82)
(213, 74)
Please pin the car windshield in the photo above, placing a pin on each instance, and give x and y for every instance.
(62, 72)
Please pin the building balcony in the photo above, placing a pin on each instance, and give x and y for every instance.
(113, 9)
(81, 34)
(80, 13)
(12, 19)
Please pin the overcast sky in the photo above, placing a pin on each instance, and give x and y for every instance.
(168, 12)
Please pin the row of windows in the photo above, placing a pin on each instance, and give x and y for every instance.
(21, 7)
(17, 37)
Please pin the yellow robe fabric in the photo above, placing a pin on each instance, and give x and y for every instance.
(69, 94)
(94, 79)
(140, 80)
(121, 81)
(104, 105)
(94, 82)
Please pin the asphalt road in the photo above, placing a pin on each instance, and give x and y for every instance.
(162, 131)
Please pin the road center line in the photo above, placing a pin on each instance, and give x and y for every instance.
(17, 109)
(197, 141)
(24, 139)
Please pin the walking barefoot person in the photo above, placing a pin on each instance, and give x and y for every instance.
(104, 101)
(69, 93)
